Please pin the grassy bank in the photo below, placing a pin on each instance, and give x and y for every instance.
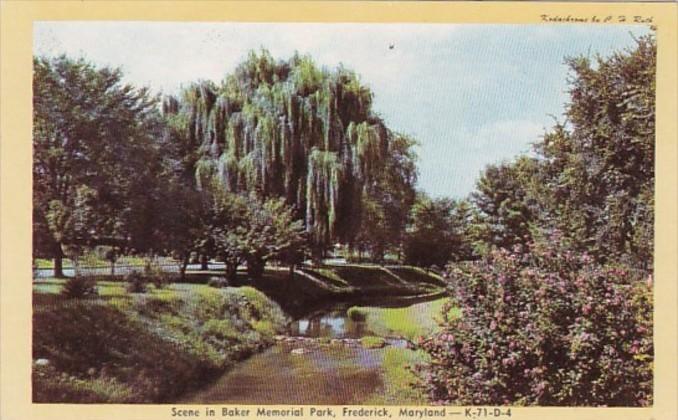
(123, 347)
(151, 347)
(410, 322)
(317, 286)
(399, 380)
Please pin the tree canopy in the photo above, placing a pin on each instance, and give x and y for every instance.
(592, 178)
(308, 135)
(93, 139)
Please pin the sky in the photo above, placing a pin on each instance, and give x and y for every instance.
(471, 95)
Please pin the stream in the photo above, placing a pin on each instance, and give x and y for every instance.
(320, 361)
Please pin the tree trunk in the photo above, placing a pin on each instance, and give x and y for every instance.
(112, 268)
(231, 273)
(59, 262)
(290, 281)
(255, 267)
(76, 266)
(182, 269)
(204, 262)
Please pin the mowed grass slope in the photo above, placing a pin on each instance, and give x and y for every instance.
(313, 285)
(122, 347)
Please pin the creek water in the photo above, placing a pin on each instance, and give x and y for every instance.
(320, 362)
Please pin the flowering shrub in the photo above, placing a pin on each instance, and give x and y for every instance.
(543, 327)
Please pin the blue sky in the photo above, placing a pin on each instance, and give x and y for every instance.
(470, 94)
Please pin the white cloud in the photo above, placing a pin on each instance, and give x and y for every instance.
(454, 164)
(167, 54)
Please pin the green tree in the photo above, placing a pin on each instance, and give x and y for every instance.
(183, 222)
(503, 198)
(93, 153)
(274, 233)
(245, 229)
(438, 232)
(386, 203)
(290, 129)
(598, 167)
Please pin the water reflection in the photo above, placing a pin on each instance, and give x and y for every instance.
(334, 324)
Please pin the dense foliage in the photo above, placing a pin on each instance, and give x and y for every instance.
(558, 311)
(146, 348)
(94, 153)
(308, 135)
(438, 232)
(546, 327)
(593, 176)
(280, 143)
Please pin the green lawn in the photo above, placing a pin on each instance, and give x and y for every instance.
(409, 322)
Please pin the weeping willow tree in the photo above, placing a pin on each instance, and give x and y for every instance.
(293, 130)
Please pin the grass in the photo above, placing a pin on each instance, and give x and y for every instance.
(45, 263)
(399, 379)
(417, 275)
(366, 276)
(409, 322)
(121, 347)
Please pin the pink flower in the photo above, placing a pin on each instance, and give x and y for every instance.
(586, 309)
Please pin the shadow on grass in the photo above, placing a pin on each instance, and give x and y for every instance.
(94, 344)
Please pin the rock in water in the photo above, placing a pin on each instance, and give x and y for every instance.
(300, 350)
(370, 342)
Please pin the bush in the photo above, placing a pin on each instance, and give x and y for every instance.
(356, 314)
(79, 287)
(162, 280)
(217, 282)
(136, 283)
(154, 273)
(543, 327)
